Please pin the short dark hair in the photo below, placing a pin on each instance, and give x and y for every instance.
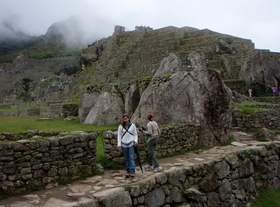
(150, 116)
(126, 115)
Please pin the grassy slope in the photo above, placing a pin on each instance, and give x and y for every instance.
(38, 48)
(24, 123)
(268, 198)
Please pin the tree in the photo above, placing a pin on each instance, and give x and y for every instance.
(26, 84)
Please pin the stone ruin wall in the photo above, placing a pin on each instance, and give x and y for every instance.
(239, 86)
(63, 110)
(120, 29)
(268, 119)
(231, 181)
(39, 158)
(56, 110)
(272, 99)
(32, 163)
(234, 180)
(173, 139)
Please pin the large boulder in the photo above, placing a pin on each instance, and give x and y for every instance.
(182, 90)
(132, 99)
(87, 101)
(192, 93)
(261, 72)
(107, 110)
(265, 135)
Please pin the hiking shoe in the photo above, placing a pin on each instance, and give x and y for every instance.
(158, 169)
(148, 167)
(128, 175)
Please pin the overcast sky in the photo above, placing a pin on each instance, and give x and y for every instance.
(258, 20)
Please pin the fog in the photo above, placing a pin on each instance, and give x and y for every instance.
(257, 20)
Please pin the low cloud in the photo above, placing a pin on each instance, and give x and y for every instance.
(98, 18)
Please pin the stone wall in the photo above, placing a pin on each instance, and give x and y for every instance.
(235, 180)
(33, 112)
(63, 110)
(238, 85)
(269, 99)
(33, 163)
(173, 139)
(56, 110)
(268, 119)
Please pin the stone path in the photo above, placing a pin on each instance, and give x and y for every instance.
(84, 190)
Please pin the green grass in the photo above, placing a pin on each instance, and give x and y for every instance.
(19, 124)
(267, 198)
(99, 149)
(105, 162)
(10, 110)
(262, 139)
(248, 107)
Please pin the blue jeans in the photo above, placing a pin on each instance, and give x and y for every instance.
(128, 153)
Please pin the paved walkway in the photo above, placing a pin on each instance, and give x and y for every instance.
(83, 190)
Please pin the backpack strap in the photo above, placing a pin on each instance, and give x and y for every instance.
(126, 130)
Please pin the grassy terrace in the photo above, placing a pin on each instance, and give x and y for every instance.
(15, 125)
(250, 107)
(19, 124)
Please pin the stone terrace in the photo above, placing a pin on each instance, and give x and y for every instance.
(134, 55)
(98, 189)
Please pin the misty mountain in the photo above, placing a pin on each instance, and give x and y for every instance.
(12, 39)
(8, 32)
(70, 32)
(62, 38)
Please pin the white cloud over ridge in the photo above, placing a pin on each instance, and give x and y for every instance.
(250, 19)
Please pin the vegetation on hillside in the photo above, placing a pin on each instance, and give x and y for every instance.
(49, 49)
(9, 48)
(37, 48)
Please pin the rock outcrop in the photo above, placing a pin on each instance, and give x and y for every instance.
(107, 110)
(87, 101)
(261, 72)
(182, 90)
(265, 135)
(192, 94)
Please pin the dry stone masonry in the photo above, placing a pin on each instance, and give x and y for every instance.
(28, 164)
(234, 180)
(268, 119)
(63, 110)
(173, 139)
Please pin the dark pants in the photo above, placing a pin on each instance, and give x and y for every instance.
(152, 160)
